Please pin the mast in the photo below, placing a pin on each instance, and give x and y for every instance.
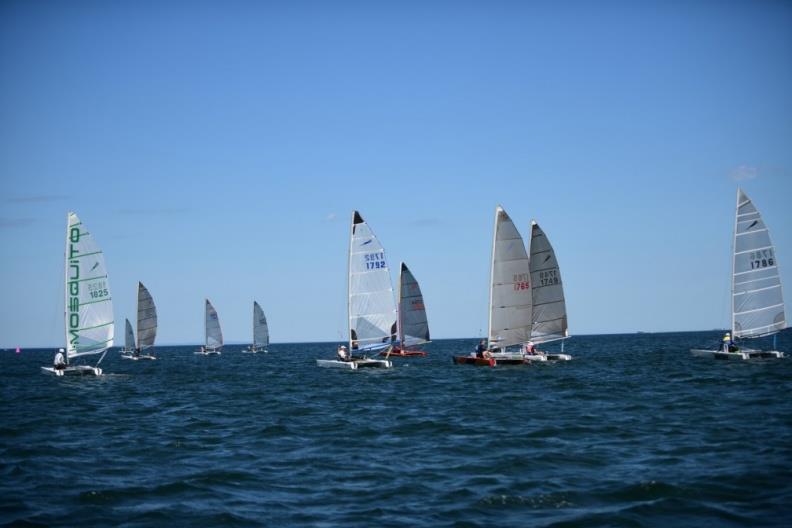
(254, 325)
(355, 216)
(734, 258)
(66, 287)
(206, 325)
(498, 209)
(399, 327)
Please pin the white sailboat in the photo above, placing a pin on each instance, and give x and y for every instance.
(547, 294)
(413, 326)
(510, 302)
(260, 331)
(371, 308)
(146, 327)
(88, 314)
(213, 342)
(757, 298)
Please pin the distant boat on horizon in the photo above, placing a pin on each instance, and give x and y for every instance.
(260, 331)
(213, 334)
(146, 327)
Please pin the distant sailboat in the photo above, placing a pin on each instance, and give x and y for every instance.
(510, 304)
(371, 308)
(413, 326)
(260, 331)
(146, 327)
(213, 343)
(88, 314)
(757, 298)
(547, 294)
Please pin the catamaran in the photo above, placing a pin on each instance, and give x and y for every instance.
(510, 302)
(213, 342)
(413, 326)
(146, 327)
(757, 299)
(371, 308)
(260, 331)
(88, 314)
(547, 295)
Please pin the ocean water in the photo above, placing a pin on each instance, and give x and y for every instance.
(633, 432)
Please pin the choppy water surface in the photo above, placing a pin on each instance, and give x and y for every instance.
(633, 432)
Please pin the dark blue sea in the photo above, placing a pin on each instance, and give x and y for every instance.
(633, 432)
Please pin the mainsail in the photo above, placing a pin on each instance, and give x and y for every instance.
(214, 336)
(89, 307)
(129, 341)
(757, 300)
(413, 325)
(260, 329)
(547, 291)
(372, 310)
(146, 318)
(510, 286)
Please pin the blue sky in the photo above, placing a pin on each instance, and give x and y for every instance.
(217, 150)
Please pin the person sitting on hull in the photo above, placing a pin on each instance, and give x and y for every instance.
(59, 363)
(530, 349)
(343, 353)
(481, 349)
(728, 344)
(136, 352)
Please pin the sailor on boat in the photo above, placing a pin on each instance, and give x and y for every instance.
(530, 349)
(728, 344)
(60, 362)
(343, 353)
(481, 349)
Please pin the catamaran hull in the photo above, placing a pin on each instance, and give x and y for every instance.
(750, 354)
(76, 370)
(135, 358)
(209, 353)
(547, 357)
(355, 364)
(403, 353)
(488, 362)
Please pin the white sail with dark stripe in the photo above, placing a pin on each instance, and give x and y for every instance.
(146, 318)
(90, 326)
(214, 335)
(372, 309)
(757, 299)
(510, 290)
(547, 290)
(260, 328)
(413, 325)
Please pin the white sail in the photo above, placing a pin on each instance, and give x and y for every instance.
(260, 328)
(547, 290)
(372, 310)
(757, 299)
(510, 290)
(413, 325)
(214, 335)
(146, 318)
(129, 341)
(90, 326)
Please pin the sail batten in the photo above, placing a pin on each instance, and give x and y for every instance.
(510, 285)
(547, 290)
(757, 296)
(88, 314)
(371, 306)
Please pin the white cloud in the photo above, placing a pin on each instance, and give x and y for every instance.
(744, 172)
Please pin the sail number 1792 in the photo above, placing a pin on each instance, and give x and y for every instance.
(375, 260)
